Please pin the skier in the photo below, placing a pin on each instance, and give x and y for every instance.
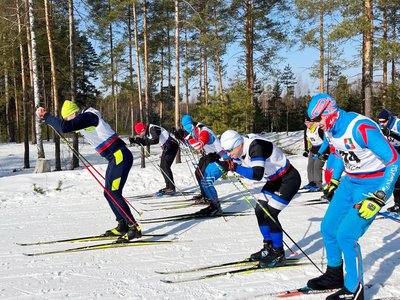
(202, 138)
(107, 143)
(390, 126)
(313, 139)
(254, 157)
(154, 134)
(371, 168)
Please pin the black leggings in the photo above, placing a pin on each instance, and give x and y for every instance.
(167, 158)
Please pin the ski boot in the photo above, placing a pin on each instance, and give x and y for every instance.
(263, 252)
(344, 293)
(167, 191)
(134, 232)
(121, 229)
(332, 279)
(275, 258)
(214, 209)
(395, 208)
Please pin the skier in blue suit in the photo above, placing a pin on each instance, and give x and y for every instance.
(371, 167)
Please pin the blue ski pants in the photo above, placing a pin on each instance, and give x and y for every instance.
(342, 227)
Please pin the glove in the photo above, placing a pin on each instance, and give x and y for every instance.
(136, 140)
(370, 206)
(305, 153)
(330, 188)
(40, 111)
(198, 145)
(385, 131)
(227, 165)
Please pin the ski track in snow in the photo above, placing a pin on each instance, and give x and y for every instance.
(80, 209)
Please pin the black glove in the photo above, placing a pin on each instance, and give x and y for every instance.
(179, 134)
(227, 165)
(385, 131)
(305, 153)
(329, 189)
(136, 140)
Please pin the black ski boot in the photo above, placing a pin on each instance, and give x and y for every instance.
(395, 208)
(167, 191)
(198, 197)
(263, 252)
(121, 229)
(134, 232)
(345, 294)
(275, 258)
(332, 279)
(214, 209)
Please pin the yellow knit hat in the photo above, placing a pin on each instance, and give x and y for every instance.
(68, 108)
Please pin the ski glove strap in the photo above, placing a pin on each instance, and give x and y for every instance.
(329, 189)
(370, 206)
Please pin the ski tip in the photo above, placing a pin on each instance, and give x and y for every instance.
(28, 254)
(166, 281)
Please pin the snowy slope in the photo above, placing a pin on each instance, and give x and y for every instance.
(79, 209)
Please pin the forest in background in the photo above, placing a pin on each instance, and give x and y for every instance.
(153, 61)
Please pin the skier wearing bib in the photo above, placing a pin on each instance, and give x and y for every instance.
(154, 134)
(313, 139)
(371, 167)
(203, 139)
(390, 126)
(256, 158)
(106, 142)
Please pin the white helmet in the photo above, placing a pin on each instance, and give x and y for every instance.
(231, 139)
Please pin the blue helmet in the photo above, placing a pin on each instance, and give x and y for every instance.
(187, 123)
(321, 104)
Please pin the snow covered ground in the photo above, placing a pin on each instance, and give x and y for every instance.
(79, 209)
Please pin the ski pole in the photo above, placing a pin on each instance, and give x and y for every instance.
(276, 223)
(84, 160)
(251, 204)
(184, 148)
(157, 166)
(206, 184)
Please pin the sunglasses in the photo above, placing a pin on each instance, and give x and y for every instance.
(382, 121)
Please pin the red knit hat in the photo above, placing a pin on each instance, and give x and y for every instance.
(139, 128)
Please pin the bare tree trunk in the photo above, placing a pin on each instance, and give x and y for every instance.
(205, 73)
(54, 84)
(186, 62)
(177, 73)
(138, 73)
(146, 64)
(385, 58)
(132, 104)
(44, 98)
(394, 56)
(218, 60)
(17, 105)
(321, 52)
(368, 56)
(161, 84)
(40, 151)
(249, 31)
(23, 83)
(7, 97)
(113, 99)
(31, 105)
